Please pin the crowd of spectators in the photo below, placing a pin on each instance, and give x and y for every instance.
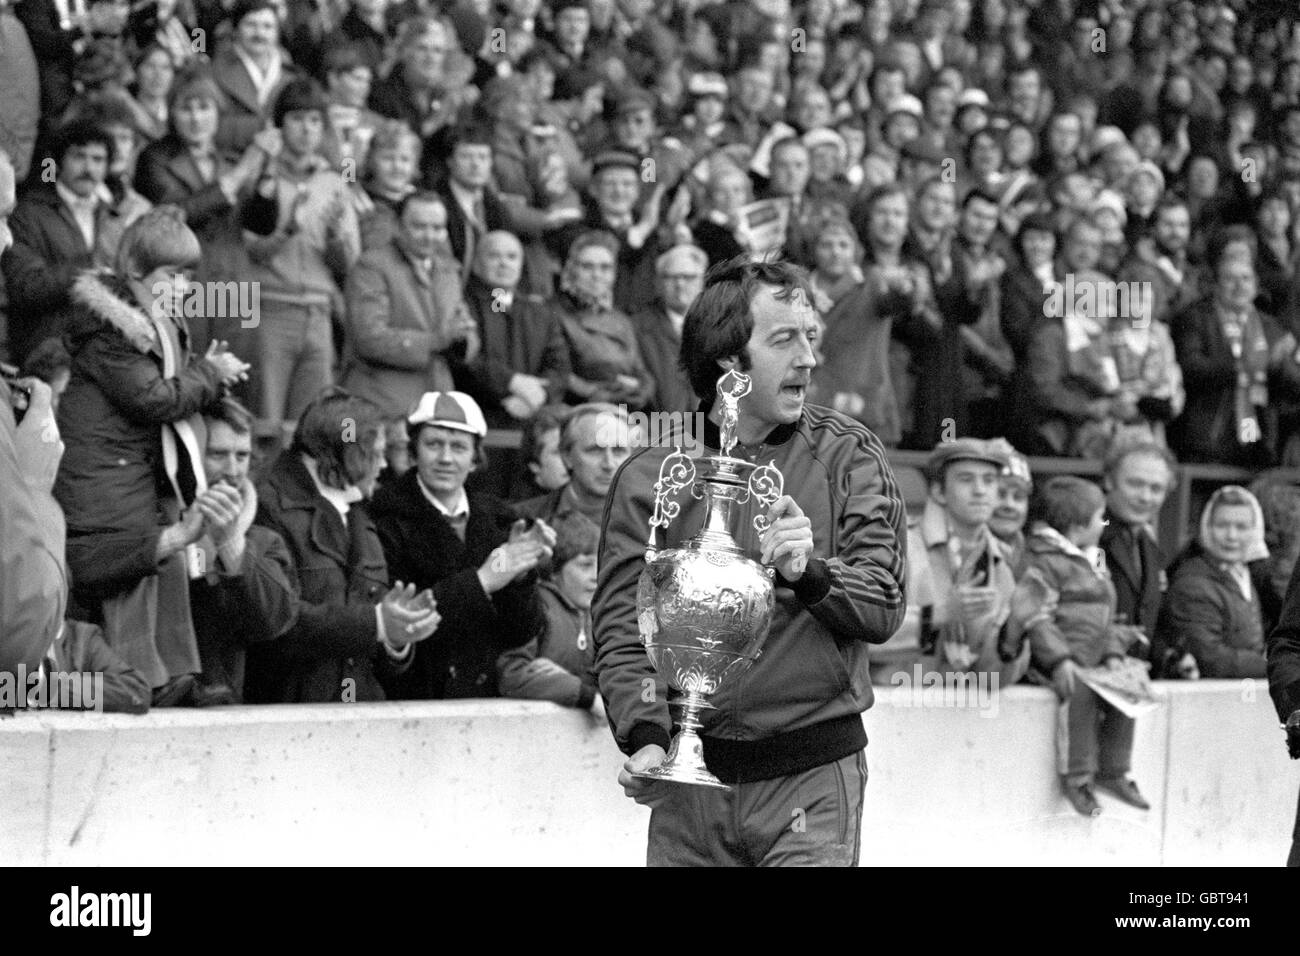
(273, 269)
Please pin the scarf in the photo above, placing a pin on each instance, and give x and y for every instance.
(587, 297)
(1255, 550)
(152, 331)
(1244, 334)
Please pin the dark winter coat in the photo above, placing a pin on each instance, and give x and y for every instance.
(233, 610)
(558, 665)
(525, 338)
(48, 253)
(111, 478)
(1205, 613)
(333, 652)
(459, 660)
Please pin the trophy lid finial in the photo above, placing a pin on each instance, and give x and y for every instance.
(732, 387)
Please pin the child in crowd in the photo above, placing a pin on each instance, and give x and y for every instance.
(1064, 562)
(557, 665)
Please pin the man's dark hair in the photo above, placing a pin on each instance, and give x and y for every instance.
(1168, 200)
(721, 319)
(1066, 501)
(985, 132)
(232, 414)
(979, 193)
(548, 418)
(80, 132)
(1221, 239)
(575, 535)
(300, 96)
(468, 133)
(860, 214)
(338, 430)
(420, 195)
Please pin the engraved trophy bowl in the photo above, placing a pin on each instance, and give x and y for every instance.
(704, 608)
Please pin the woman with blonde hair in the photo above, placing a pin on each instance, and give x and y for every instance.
(132, 481)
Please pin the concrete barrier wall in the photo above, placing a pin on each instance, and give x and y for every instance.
(517, 783)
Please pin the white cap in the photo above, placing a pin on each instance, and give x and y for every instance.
(449, 410)
(907, 103)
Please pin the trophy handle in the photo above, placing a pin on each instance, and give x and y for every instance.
(676, 471)
(766, 485)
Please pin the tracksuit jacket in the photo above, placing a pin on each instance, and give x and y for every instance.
(798, 706)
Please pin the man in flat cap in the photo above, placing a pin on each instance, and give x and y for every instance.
(614, 206)
(960, 578)
(634, 129)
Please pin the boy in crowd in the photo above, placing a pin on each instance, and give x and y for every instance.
(557, 664)
(1064, 564)
(960, 579)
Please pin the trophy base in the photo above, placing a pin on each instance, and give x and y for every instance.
(684, 764)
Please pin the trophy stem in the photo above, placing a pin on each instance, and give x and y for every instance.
(684, 762)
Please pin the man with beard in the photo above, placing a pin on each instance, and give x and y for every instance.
(1162, 261)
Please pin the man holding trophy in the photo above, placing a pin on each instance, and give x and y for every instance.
(741, 583)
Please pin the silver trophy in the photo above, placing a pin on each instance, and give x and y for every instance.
(704, 608)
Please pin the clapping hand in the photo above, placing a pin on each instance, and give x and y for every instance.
(530, 388)
(221, 506)
(408, 617)
(539, 533)
(229, 368)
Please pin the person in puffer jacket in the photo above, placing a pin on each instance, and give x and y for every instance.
(1066, 568)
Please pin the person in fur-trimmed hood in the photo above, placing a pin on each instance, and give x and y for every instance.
(132, 476)
(1064, 605)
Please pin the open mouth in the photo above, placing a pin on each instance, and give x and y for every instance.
(794, 391)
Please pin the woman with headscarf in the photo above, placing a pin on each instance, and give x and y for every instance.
(1212, 611)
(132, 481)
(604, 355)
